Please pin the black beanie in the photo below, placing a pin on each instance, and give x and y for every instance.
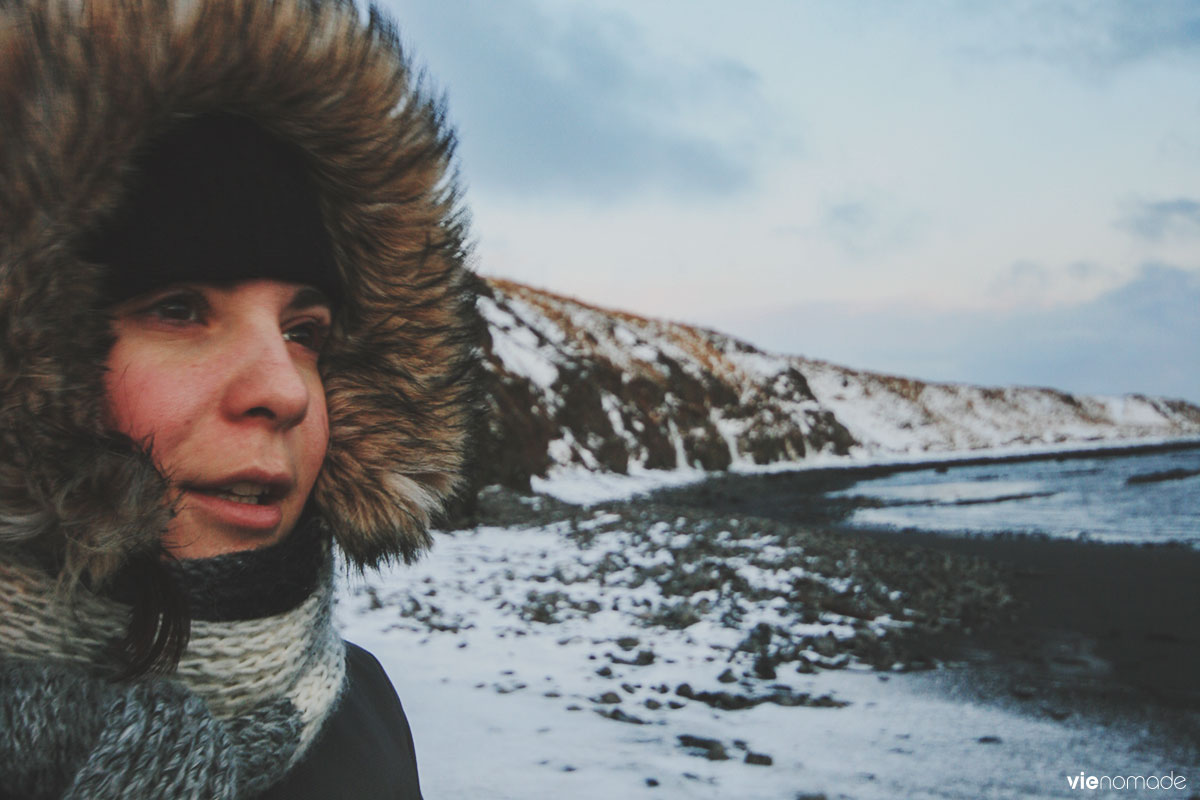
(216, 199)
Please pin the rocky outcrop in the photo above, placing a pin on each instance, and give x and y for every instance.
(568, 383)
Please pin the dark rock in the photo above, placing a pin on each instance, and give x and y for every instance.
(652, 782)
(761, 759)
(989, 740)
(764, 666)
(516, 687)
(727, 676)
(826, 645)
(827, 701)
(644, 658)
(620, 716)
(608, 697)
(728, 701)
(711, 749)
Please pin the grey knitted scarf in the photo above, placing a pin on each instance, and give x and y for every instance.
(263, 670)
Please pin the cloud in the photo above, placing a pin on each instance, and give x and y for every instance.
(577, 102)
(1137, 31)
(1087, 35)
(1158, 220)
(1031, 284)
(1143, 336)
(1022, 279)
(869, 228)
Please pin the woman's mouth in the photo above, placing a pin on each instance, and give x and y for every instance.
(241, 492)
(253, 505)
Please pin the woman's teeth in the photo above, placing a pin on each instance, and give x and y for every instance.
(249, 493)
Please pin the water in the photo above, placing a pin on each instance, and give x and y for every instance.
(1091, 498)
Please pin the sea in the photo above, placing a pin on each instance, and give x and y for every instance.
(1137, 497)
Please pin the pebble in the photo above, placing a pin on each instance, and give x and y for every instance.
(712, 749)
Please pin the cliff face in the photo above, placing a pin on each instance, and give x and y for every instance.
(572, 384)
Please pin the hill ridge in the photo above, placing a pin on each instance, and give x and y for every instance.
(570, 383)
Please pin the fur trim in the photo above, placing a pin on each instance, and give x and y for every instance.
(82, 87)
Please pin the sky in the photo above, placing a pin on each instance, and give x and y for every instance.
(986, 192)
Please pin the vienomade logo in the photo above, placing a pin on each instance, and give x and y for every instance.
(1085, 781)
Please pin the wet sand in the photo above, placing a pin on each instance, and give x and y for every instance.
(1102, 629)
(1135, 607)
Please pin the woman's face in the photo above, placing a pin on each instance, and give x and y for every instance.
(221, 383)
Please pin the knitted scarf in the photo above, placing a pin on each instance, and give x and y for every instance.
(263, 670)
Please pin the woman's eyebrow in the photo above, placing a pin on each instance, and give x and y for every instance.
(307, 298)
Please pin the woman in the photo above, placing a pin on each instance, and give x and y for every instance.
(236, 326)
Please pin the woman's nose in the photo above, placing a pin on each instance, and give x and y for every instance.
(265, 381)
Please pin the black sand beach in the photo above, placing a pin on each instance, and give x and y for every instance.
(1101, 629)
(1137, 606)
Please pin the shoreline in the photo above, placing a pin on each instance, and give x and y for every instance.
(583, 487)
(1108, 626)
(877, 469)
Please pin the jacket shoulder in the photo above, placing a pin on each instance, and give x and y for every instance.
(366, 747)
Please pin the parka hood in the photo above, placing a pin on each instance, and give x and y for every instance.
(84, 86)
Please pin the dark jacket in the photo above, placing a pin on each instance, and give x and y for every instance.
(365, 749)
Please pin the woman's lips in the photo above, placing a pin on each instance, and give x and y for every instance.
(264, 515)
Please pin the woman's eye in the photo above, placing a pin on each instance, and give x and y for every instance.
(308, 334)
(178, 308)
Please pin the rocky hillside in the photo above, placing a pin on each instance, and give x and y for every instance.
(572, 384)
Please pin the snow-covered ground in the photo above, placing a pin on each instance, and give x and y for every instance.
(523, 680)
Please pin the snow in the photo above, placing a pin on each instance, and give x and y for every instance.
(505, 706)
(762, 365)
(519, 352)
(895, 416)
(578, 485)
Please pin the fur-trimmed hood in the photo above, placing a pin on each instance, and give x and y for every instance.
(83, 86)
